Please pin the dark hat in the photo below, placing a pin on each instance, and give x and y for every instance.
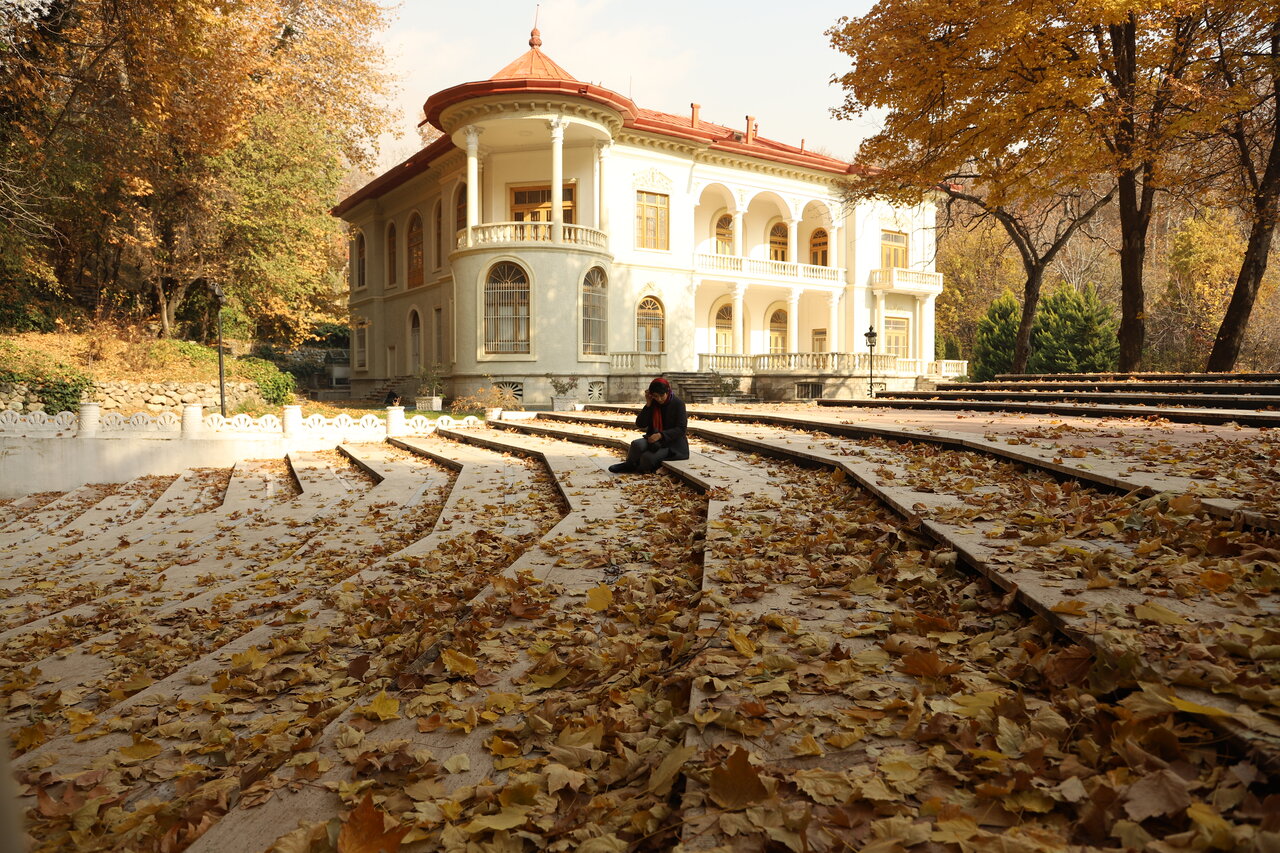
(659, 386)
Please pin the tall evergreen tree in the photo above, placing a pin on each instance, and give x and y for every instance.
(1074, 332)
(997, 334)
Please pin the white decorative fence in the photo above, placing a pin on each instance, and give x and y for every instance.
(91, 423)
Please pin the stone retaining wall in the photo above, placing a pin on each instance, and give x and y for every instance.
(139, 396)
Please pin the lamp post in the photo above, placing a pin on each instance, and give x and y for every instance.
(871, 362)
(220, 297)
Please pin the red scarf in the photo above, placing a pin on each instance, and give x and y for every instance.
(657, 415)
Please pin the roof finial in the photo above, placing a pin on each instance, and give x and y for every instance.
(535, 37)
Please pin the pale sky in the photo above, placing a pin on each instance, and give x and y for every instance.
(751, 57)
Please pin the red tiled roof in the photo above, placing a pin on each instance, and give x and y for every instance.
(535, 72)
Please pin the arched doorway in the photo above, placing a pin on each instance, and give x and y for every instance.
(778, 331)
(724, 329)
(415, 341)
(650, 326)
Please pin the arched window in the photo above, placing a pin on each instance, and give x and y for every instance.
(595, 313)
(651, 327)
(506, 309)
(415, 341)
(391, 258)
(438, 250)
(724, 235)
(778, 331)
(724, 329)
(416, 259)
(460, 209)
(778, 242)
(359, 271)
(818, 254)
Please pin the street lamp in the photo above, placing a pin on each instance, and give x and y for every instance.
(220, 297)
(871, 362)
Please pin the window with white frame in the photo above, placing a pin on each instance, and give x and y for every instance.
(778, 242)
(360, 347)
(652, 221)
(390, 260)
(506, 309)
(897, 336)
(358, 280)
(893, 250)
(724, 235)
(595, 313)
(650, 326)
(778, 331)
(724, 329)
(818, 247)
(417, 259)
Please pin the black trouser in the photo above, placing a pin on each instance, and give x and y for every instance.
(645, 457)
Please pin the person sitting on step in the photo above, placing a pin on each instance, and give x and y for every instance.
(664, 421)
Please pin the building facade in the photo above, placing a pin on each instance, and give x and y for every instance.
(676, 246)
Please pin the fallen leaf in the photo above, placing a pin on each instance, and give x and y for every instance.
(1156, 794)
(600, 597)
(364, 831)
(735, 784)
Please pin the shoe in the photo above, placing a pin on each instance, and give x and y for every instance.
(621, 468)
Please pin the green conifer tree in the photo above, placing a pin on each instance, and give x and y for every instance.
(1074, 332)
(993, 344)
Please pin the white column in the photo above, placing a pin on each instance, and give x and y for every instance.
(90, 419)
(472, 134)
(192, 419)
(833, 322)
(557, 178)
(737, 234)
(793, 240)
(917, 338)
(291, 422)
(602, 195)
(927, 331)
(739, 329)
(793, 321)
(395, 421)
(833, 246)
(877, 316)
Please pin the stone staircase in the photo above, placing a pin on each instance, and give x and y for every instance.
(700, 387)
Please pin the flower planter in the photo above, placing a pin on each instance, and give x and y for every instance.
(564, 404)
(428, 404)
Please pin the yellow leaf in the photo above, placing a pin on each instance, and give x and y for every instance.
(600, 597)
(250, 660)
(80, 720)
(459, 663)
(459, 763)
(508, 818)
(661, 777)
(807, 746)
(1197, 708)
(1075, 607)
(841, 740)
(383, 707)
(1153, 612)
(742, 643)
(141, 750)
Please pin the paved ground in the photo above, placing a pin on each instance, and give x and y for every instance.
(793, 640)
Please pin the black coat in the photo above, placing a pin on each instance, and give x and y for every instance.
(675, 422)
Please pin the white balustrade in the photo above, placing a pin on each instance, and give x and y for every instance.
(503, 233)
(645, 362)
(911, 281)
(768, 269)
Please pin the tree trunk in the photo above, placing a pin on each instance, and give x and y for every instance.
(1226, 347)
(1133, 251)
(1266, 211)
(1030, 299)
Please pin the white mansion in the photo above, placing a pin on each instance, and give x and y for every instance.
(556, 229)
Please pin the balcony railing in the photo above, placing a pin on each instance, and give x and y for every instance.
(502, 233)
(911, 281)
(836, 363)
(645, 362)
(738, 265)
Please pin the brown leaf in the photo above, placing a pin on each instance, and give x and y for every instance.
(363, 831)
(927, 665)
(736, 784)
(1160, 793)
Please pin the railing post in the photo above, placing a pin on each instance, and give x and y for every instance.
(291, 422)
(192, 420)
(90, 419)
(395, 421)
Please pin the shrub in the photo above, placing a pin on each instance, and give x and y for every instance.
(997, 333)
(59, 386)
(489, 397)
(275, 387)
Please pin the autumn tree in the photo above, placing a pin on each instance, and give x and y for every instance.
(1042, 97)
(1247, 69)
(938, 69)
(160, 126)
